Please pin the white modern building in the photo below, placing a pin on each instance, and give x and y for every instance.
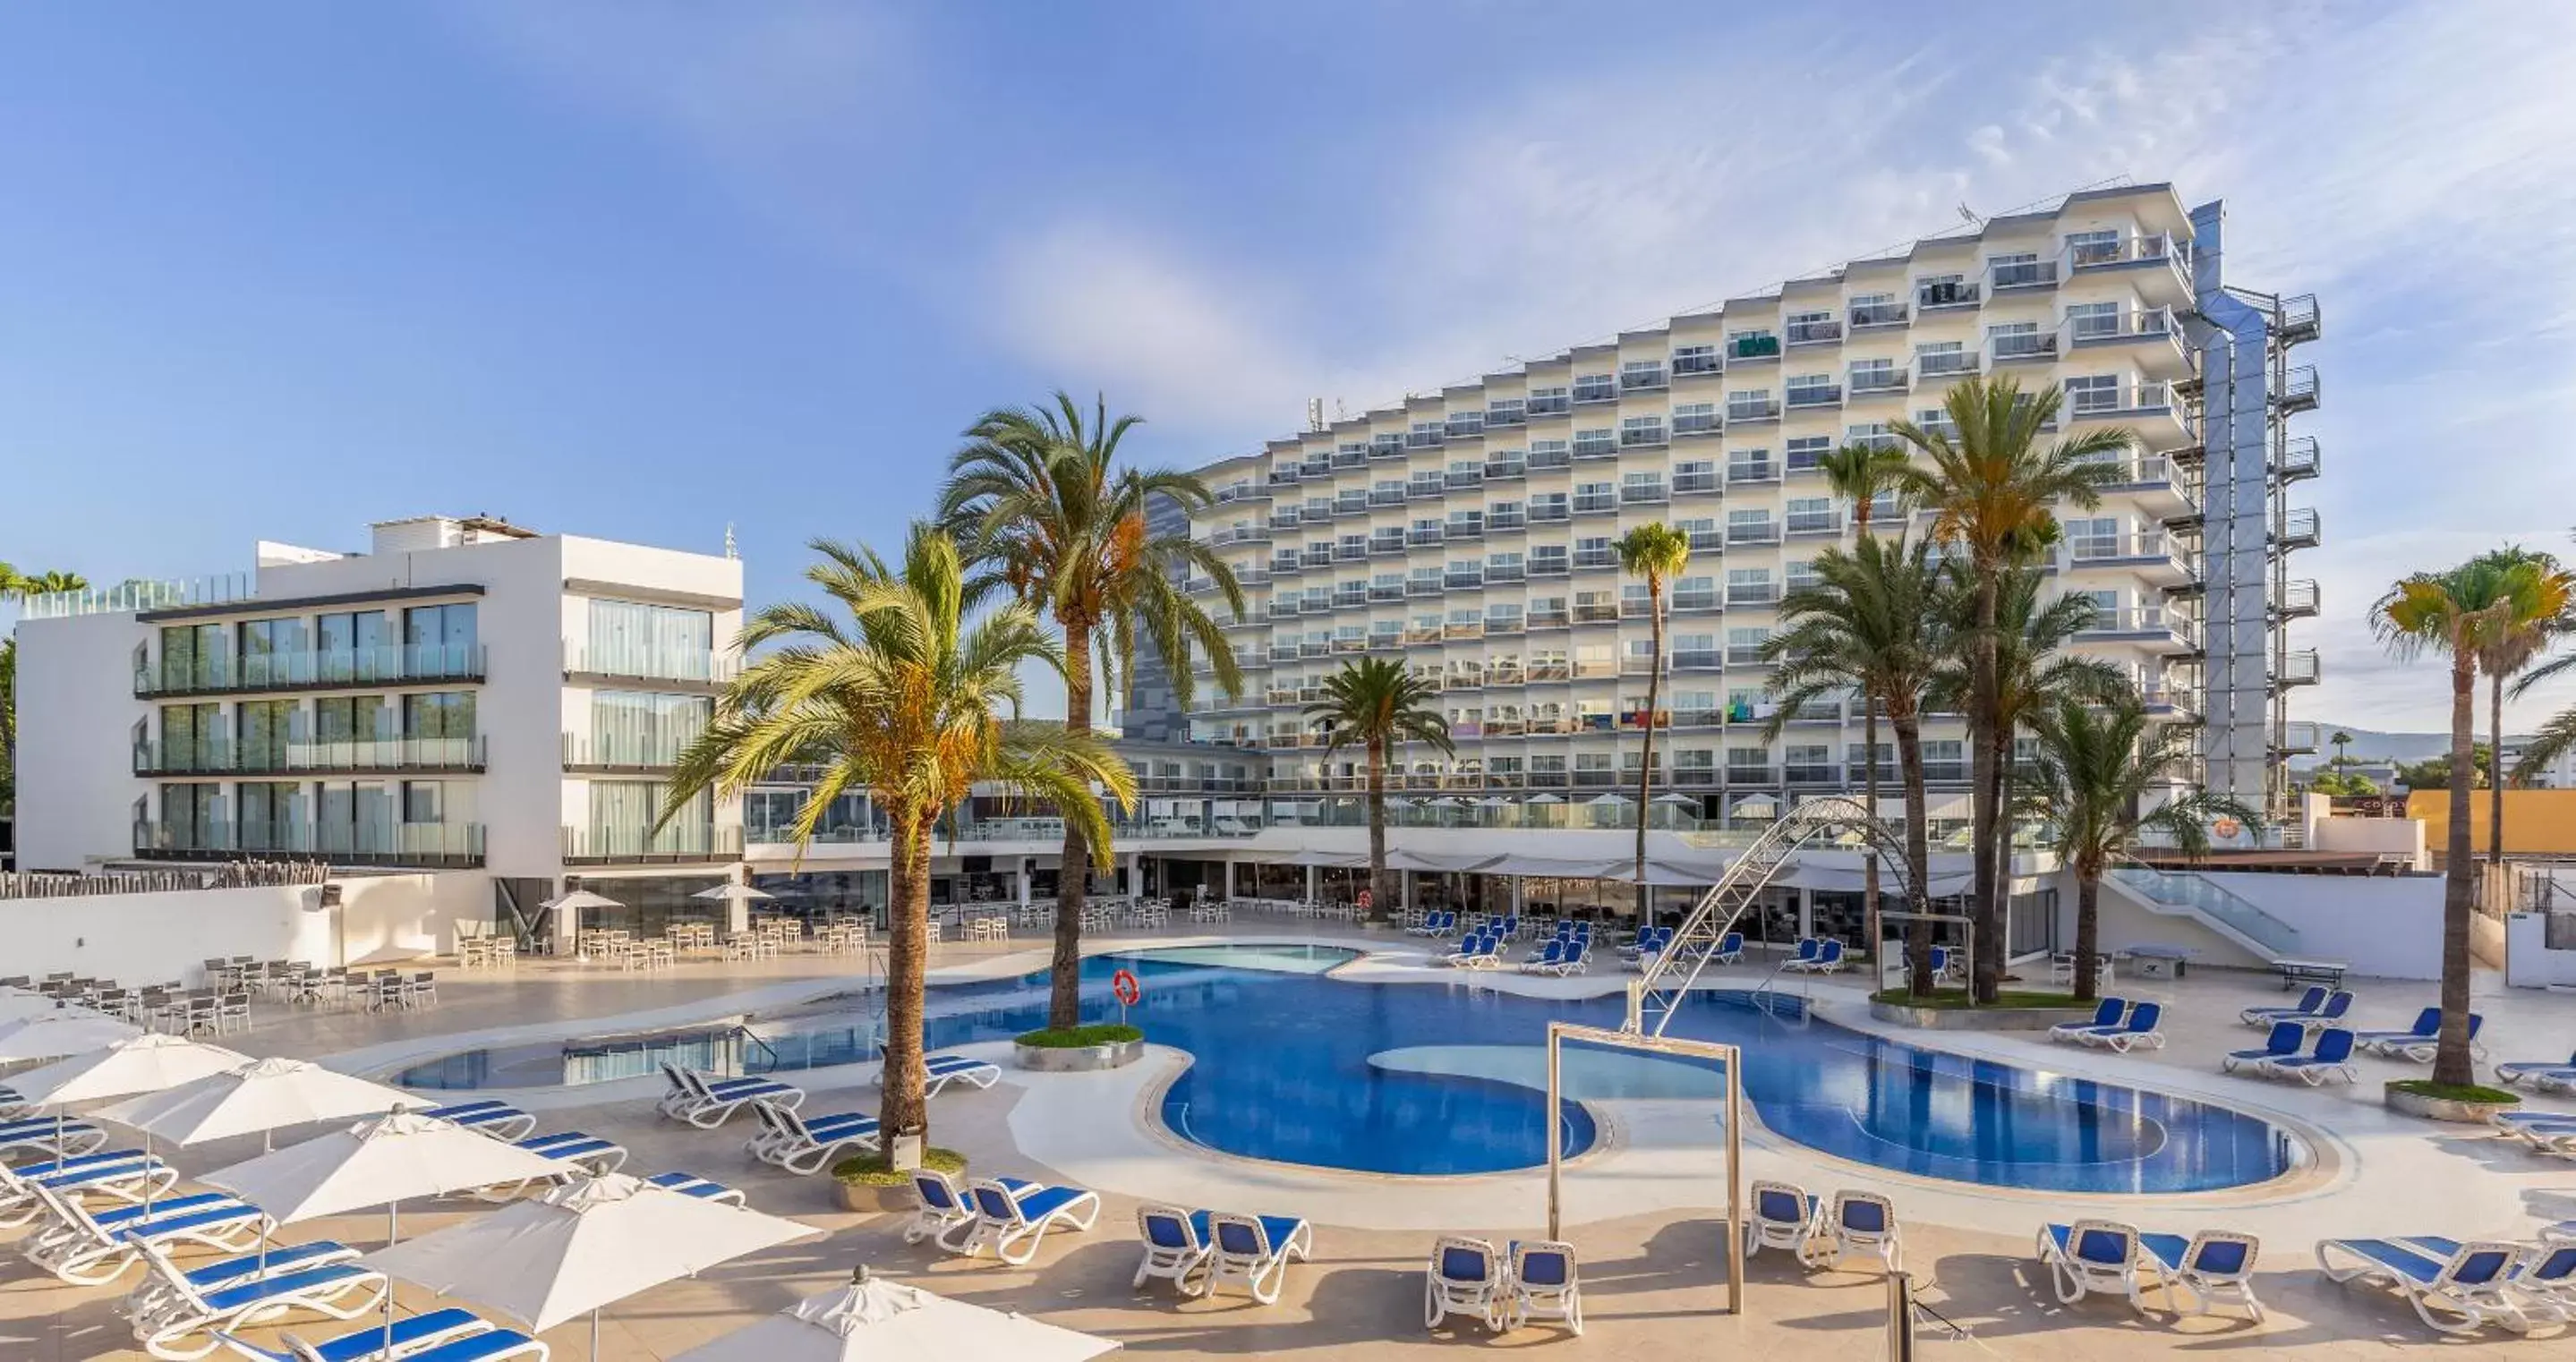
(1469, 530)
(464, 695)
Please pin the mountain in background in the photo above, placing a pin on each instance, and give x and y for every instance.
(2373, 745)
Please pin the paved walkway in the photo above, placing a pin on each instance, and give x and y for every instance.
(1646, 1218)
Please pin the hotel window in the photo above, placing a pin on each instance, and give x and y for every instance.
(1695, 359)
(1695, 418)
(353, 718)
(2087, 320)
(1641, 431)
(1942, 290)
(1642, 373)
(1543, 401)
(1799, 574)
(2092, 248)
(1811, 389)
(270, 648)
(2016, 339)
(1811, 326)
(1872, 375)
(1595, 387)
(629, 638)
(2093, 537)
(2093, 392)
(2015, 267)
(1805, 452)
(1811, 515)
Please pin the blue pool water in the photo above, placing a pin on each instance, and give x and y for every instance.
(1283, 1070)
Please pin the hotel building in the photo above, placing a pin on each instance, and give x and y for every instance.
(1469, 531)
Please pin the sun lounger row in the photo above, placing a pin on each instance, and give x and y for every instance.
(2117, 1024)
(2280, 1056)
(1561, 956)
(2210, 1268)
(2461, 1287)
(1476, 950)
(2316, 1009)
(1821, 1233)
(2550, 1132)
(1501, 1289)
(1007, 1216)
(2545, 1075)
(2416, 1043)
(1434, 924)
(1201, 1251)
(1816, 956)
(449, 1335)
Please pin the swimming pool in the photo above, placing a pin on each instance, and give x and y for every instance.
(1293, 1066)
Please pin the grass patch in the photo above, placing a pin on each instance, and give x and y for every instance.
(2455, 1092)
(1958, 1000)
(1081, 1037)
(871, 1170)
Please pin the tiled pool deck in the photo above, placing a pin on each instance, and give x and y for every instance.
(1646, 1213)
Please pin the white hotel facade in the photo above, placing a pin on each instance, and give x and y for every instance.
(1468, 531)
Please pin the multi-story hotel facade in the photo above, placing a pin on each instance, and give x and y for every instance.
(1469, 531)
(465, 695)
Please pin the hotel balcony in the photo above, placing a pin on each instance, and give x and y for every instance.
(1930, 296)
(1238, 534)
(2299, 460)
(2298, 600)
(1812, 396)
(1505, 470)
(2151, 338)
(696, 668)
(2158, 265)
(1697, 660)
(2299, 391)
(1870, 383)
(636, 844)
(1743, 471)
(1697, 364)
(1751, 532)
(223, 673)
(2162, 488)
(1867, 315)
(587, 755)
(2298, 736)
(1596, 388)
(1687, 483)
(2152, 554)
(1694, 602)
(428, 756)
(1813, 773)
(2022, 347)
(2161, 418)
(2298, 669)
(1752, 348)
(1744, 409)
(2296, 529)
(1941, 367)
(1824, 332)
(2151, 626)
(2004, 276)
(1811, 523)
(426, 846)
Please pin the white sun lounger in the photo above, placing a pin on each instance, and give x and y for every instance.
(1466, 1277)
(946, 1213)
(1256, 1250)
(706, 1102)
(124, 1175)
(87, 1248)
(1013, 1223)
(2456, 1293)
(179, 1320)
(805, 1145)
(450, 1335)
(1545, 1284)
(1176, 1247)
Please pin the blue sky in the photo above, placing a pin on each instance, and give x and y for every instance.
(643, 270)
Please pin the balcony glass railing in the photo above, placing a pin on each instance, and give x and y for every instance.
(651, 662)
(301, 755)
(373, 842)
(623, 753)
(392, 664)
(595, 843)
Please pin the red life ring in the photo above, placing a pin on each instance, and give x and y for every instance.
(1367, 900)
(1125, 986)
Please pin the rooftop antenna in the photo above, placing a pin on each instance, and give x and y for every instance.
(729, 548)
(1968, 215)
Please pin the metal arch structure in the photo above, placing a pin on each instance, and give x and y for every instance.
(1677, 968)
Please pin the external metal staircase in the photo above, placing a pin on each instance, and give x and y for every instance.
(1677, 968)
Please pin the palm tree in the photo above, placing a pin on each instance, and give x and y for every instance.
(2093, 785)
(1657, 552)
(2515, 643)
(1375, 702)
(15, 583)
(1045, 511)
(1870, 623)
(2342, 743)
(906, 703)
(2457, 614)
(19, 584)
(2033, 672)
(1991, 485)
(1860, 474)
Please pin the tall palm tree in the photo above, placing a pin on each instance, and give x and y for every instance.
(1657, 552)
(1860, 474)
(1870, 623)
(16, 583)
(1046, 511)
(1991, 485)
(2514, 644)
(2456, 614)
(2093, 787)
(1376, 703)
(2033, 672)
(2341, 742)
(906, 702)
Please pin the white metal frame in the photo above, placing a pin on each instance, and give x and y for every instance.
(1728, 1055)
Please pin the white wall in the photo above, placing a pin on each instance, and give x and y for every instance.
(154, 938)
(2528, 961)
(75, 759)
(2379, 925)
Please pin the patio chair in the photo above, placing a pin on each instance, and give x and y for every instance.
(487, 1116)
(704, 1189)
(1857, 1222)
(2107, 1012)
(2459, 1292)
(2136, 1032)
(1545, 1284)
(125, 1175)
(1176, 1247)
(1466, 1277)
(945, 1209)
(2212, 1267)
(1545, 959)
(180, 1321)
(2427, 1027)
(2539, 1073)
(2550, 1132)
(2545, 1284)
(2285, 1040)
(49, 1137)
(1782, 1216)
(449, 1335)
(2420, 1049)
(1014, 1223)
(2093, 1256)
(86, 1248)
(2309, 1004)
(804, 1146)
(1730, 949)
(707, 1102)
(1809, 951)
(2330, 1056)
(1256, 1250)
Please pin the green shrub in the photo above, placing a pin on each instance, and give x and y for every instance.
(871, 1170)
(1957, 1000)
(1081, 1037)
(2447, 1092)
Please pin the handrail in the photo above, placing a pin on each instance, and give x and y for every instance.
(1666, 983)
(747, 1034)
(2200, 894)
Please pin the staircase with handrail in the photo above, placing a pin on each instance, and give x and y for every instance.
(2192, 895)
(1677, 968)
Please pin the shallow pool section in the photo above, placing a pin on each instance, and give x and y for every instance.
(1419, 1078)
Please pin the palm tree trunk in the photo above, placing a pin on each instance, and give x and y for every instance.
(1073, 862)
(2495, 775)
(2459, 887)
(1986, 955)
(1381, 893)
(902, 1106)
(2088, 928)
(1869, 853)
(1646, 766)
(2003, 843)
(1918, 851)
